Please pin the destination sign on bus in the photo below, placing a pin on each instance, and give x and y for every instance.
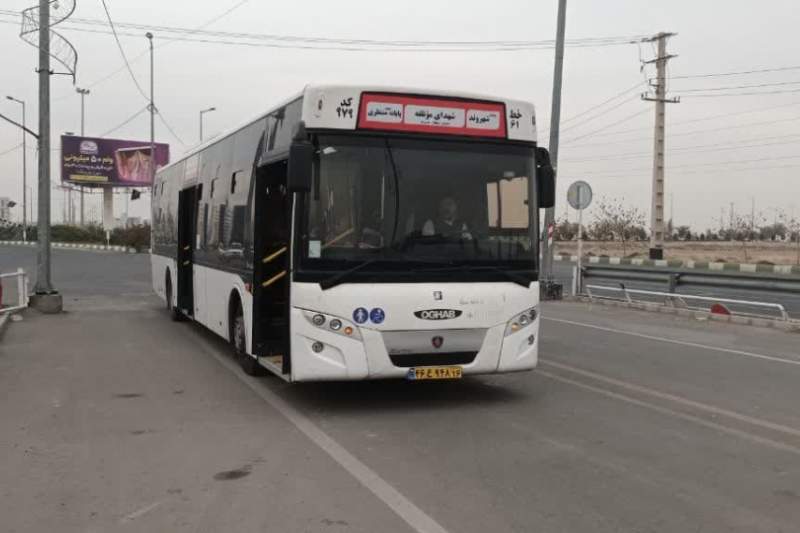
(431, 115)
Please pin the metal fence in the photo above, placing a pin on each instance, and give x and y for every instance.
(660, 285)
(13, 291)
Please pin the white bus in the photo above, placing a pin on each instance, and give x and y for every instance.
(360, 232)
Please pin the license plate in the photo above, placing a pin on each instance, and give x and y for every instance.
(434, 372)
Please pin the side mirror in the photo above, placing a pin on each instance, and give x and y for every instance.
(545, 179)
(301, 160)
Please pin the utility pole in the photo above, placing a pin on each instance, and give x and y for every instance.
(83, 93)
(46, 298)
(153, 158)
(550, 288)
(660, 98)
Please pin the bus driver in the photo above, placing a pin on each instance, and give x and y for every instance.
(447, 224)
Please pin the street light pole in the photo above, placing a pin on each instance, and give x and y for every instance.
(203, 112)
(153, 159)
(83, 93)
(24, 172)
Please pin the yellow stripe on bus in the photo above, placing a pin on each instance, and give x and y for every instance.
(274, 255)
(273, 279)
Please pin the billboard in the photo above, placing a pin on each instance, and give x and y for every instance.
(92, 161)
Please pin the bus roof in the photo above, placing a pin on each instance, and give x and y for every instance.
(340, 107)
(417, 110)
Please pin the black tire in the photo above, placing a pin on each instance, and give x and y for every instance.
(172, 310)
(249, 364)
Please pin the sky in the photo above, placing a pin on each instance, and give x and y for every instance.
(723, 148)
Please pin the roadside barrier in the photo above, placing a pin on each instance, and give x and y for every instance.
(15, 295)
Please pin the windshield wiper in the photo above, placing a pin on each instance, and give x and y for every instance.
(337, 278)
(516, 278)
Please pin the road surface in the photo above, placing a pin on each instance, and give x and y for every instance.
(115, 418)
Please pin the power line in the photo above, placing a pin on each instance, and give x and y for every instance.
(718, 164)
(693, 132)
(626, 119)
(721, 147)
(701, 119)
(741, 94)
(169, 128)
(604, 102)
(12, 149)
(700, 148)
(325, 43)
(125, 122)
(739, 73)
(122, 51)
(729, 87)
(598, 115)
(701, 171)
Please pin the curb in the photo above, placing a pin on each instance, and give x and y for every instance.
(696, 265)
(74, 246)
(791, 326)
(5, 320)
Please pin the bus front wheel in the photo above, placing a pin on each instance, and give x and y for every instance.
(171, 309)
(248, 363)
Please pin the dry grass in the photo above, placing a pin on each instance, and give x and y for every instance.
(777, 253)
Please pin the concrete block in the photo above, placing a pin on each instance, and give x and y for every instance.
(47, 303)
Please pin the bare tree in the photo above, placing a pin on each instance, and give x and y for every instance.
(565, 230)
(792, 224)
(615, 221)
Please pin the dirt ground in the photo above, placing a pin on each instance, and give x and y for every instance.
(777, 253)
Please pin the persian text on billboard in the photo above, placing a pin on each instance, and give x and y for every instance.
(93, 161)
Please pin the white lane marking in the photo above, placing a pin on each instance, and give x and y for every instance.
(139, 512)
(674, 341)
(766, 424)
(666, 411)
(402, 506)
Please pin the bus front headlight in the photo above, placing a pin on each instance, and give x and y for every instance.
(332, 324)
(521, 321)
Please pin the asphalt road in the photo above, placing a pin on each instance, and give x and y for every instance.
(562, 271)
(115, 418)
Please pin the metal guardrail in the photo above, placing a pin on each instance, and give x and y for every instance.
(681, 298)
(677, 278)
(21, 291)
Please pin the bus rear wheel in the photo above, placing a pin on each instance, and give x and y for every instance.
(248, 363)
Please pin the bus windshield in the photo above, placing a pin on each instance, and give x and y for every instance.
(396, 202)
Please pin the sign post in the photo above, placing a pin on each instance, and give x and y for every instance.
(579, 197)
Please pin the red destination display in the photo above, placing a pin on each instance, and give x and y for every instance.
(431, 115)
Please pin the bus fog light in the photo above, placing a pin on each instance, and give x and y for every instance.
(336, 324)
(531, 339)
(317, 346)
(318, 320)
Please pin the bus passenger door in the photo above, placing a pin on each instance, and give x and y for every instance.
(271, 264)
(187, 226)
